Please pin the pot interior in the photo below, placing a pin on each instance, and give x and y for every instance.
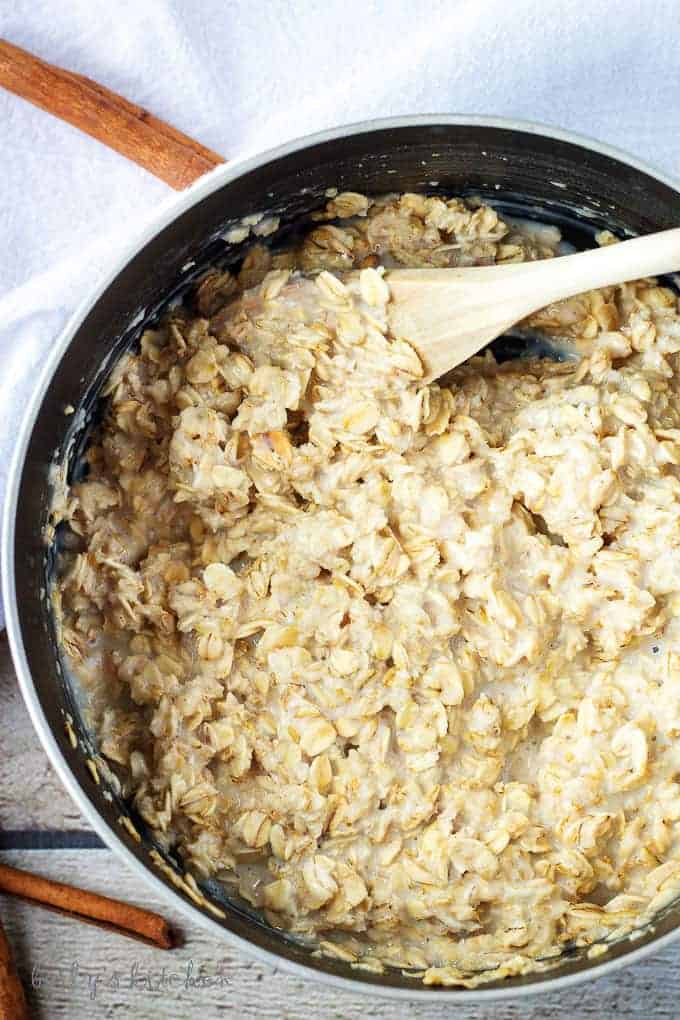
(517, 171)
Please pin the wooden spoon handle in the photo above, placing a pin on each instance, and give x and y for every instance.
(106, 116)
(12, 999)
(554, 279)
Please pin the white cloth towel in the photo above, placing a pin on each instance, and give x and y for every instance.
(241, 76)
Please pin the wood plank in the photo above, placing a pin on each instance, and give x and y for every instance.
(82, 972)
(31, 794)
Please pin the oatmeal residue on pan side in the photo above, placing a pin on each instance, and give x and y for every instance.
(399, 662)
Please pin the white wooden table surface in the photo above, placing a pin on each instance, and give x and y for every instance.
(73, 971)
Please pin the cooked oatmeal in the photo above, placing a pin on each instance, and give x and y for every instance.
(398, 662)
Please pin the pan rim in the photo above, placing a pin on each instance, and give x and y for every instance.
(167, 213)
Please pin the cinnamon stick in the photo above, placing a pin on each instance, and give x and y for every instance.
(129, 129)
(88, 906)
(12, 999)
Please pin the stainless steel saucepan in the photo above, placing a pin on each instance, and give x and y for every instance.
(545, 174)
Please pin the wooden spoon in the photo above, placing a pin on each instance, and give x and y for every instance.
(450, 314)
